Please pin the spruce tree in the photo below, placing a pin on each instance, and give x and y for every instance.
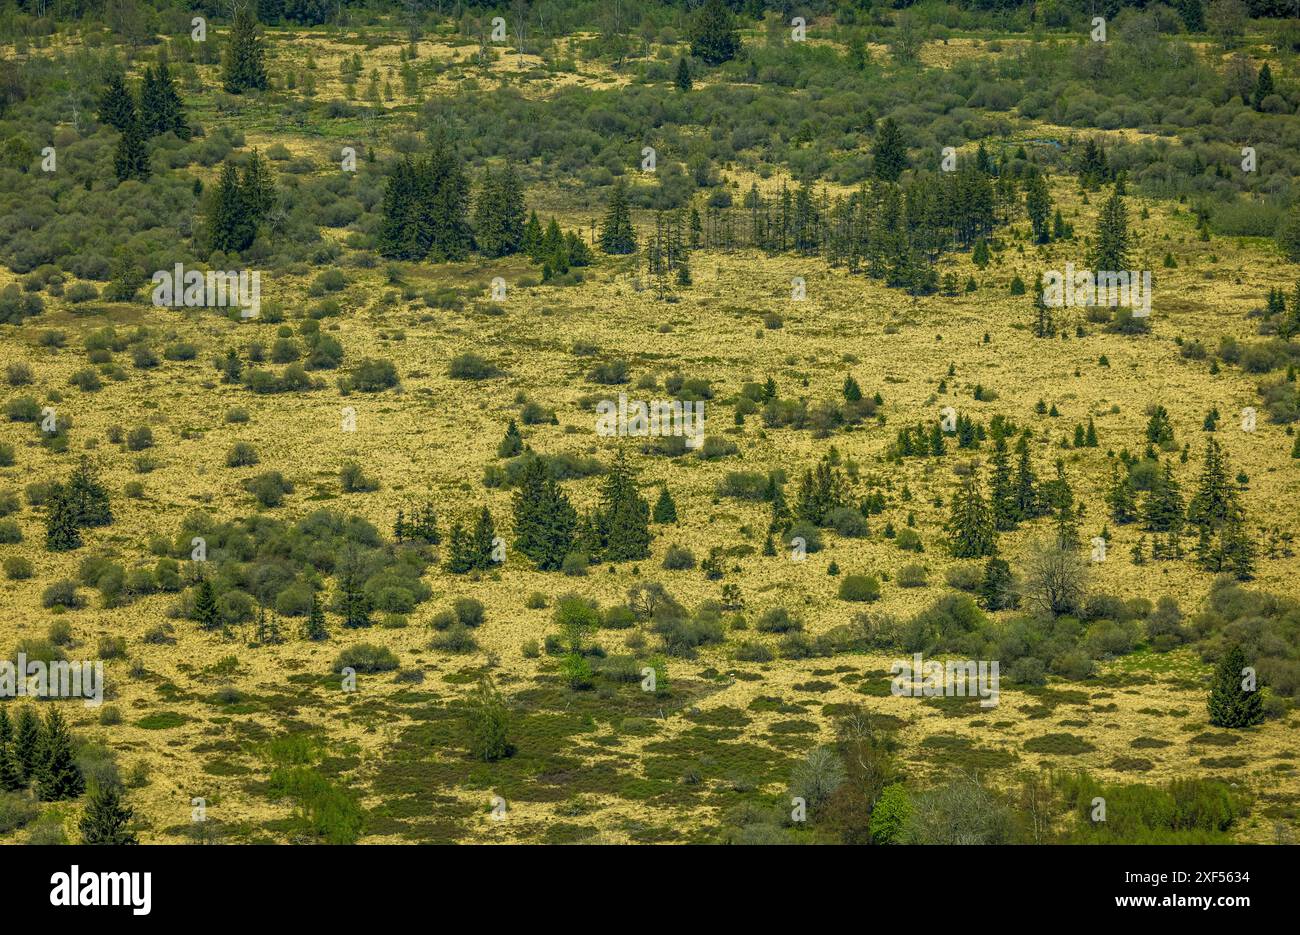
(1061, 497)
(852, 391)
(257, 189)
(970, 526)
(402, 230)
(936, 440)
(623, 520)
(161, 109)
(665, 511)
(1026, 486)
(353, 603)
(482, 539)
(487, 219)
(57, 775)
(1215, 500)
(61, 527)
(1111, 251)
(460, 550)
(11, 774)
(1237, 547)
(116, 105)
(131, 158)
(11, 771)
(780, 509)
(683, 81)
(444, 193)
(554, 251)
(1002, 493)
(532, 241)
(88, 496)
(1231, 703)
(1038, 205)
(499, 213)
(1263, 86)
(512, 209)
(995, 587)
(206, 614)
(544, 520)
(244, 67)
(713, 33)
(1163, 510)
(512, 444)
(1120, 496)
(107, 817)
(579, 254)
(230, 220)
(889, 154)
(28, 741)
(315, 629)
(617, 236)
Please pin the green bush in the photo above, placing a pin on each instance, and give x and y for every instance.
(848, 522)
(241, 454)
(454, 639)
(487, 723)
(471, 366)
(778, 620)
(10, 532)
(62, 593)
(859, 588)
(890, 814)
(678, 559)
(366, 657)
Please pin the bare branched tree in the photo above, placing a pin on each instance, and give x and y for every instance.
(1055, 577)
